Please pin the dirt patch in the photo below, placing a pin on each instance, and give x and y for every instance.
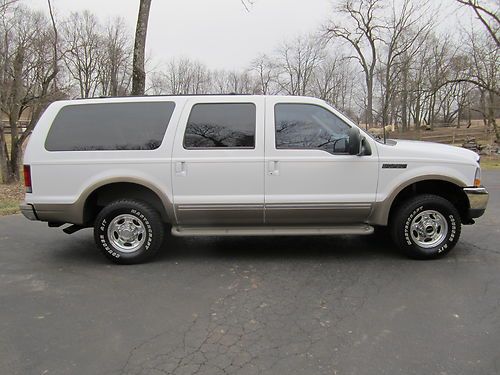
(10, 197)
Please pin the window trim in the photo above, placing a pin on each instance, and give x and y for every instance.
(219, 148)
(110, 103)
(305, 149)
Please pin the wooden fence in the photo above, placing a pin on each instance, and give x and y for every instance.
(22, 127)
(447, 135)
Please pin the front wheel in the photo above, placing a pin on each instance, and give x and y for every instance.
(426, 227)
(128, 231)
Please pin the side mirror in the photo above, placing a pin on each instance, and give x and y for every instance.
(354, 146)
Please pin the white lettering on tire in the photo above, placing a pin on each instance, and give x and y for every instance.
(407, 225)
(109, 247)
(452, 233)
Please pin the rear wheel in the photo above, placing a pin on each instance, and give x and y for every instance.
(426, 227)
(128, 231)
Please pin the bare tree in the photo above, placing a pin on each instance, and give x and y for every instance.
(29, 69)
(296, 62)
(232, 82)
(5, 4)
(182, 76)
(201, 79)
(437, 71)
(116, 59)
(334, 80)
(361, 31)
(55, 59)
(484, 73)
(409, 87)
(406, 32)
(247, 4)
(83, 52)
(178, 77)
(414, 80)
(264, 69)
(487, 15)
(139, 71)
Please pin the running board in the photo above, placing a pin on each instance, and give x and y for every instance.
(272, 231)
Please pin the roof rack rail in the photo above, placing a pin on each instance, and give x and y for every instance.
(164, 95)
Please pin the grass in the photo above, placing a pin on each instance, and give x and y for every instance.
(10, 197)
(490, 162)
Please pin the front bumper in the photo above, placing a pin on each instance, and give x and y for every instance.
(478, 200)
(28, 211)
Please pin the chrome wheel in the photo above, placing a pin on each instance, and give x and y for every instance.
(429, 229)
(127, 233)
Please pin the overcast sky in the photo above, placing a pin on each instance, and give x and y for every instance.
(219, 33)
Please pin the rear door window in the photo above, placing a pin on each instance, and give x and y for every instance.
(221, 125)
(110, 126)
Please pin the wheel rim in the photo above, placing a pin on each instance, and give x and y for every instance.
(428, 229)
(127, 233)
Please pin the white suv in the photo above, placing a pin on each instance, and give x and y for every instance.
(240, 165)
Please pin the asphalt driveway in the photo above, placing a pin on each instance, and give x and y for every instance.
(322, 305)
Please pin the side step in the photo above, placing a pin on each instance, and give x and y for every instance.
(272, 231)
(73, 229)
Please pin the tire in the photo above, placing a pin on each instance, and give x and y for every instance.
(426, 227)
(128, 231)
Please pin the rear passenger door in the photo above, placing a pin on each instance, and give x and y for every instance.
(218, 162)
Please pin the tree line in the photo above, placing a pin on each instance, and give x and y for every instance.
(381, 62)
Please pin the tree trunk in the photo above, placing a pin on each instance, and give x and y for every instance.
(404, 101)
(432, 113)
(369, 100)
(387, 94)
(15, 163)
(4, 158)
(417, 117)
(12, 173)
(482, 101)
(492, 123)
(139, 73)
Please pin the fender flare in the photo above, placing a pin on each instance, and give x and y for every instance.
(87, 192)
(381, 210)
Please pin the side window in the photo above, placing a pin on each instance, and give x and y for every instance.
(218, 125)
(110, 126)
(308, 126)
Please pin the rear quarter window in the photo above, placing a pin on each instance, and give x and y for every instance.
(110, 126)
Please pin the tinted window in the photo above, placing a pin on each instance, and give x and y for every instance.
(221, 125)
(308, 126)
(110, 126)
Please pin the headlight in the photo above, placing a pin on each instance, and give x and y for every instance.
(477, 178)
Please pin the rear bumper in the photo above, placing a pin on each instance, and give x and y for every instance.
(478, 200)
(28, 211)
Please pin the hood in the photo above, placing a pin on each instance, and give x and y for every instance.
(431, 151)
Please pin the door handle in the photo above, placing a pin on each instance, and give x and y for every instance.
(274, 168)
(180, 168)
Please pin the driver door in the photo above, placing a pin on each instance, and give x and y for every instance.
(310, 178)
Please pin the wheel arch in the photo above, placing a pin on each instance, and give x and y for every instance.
(447, 187)
(95, 197)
